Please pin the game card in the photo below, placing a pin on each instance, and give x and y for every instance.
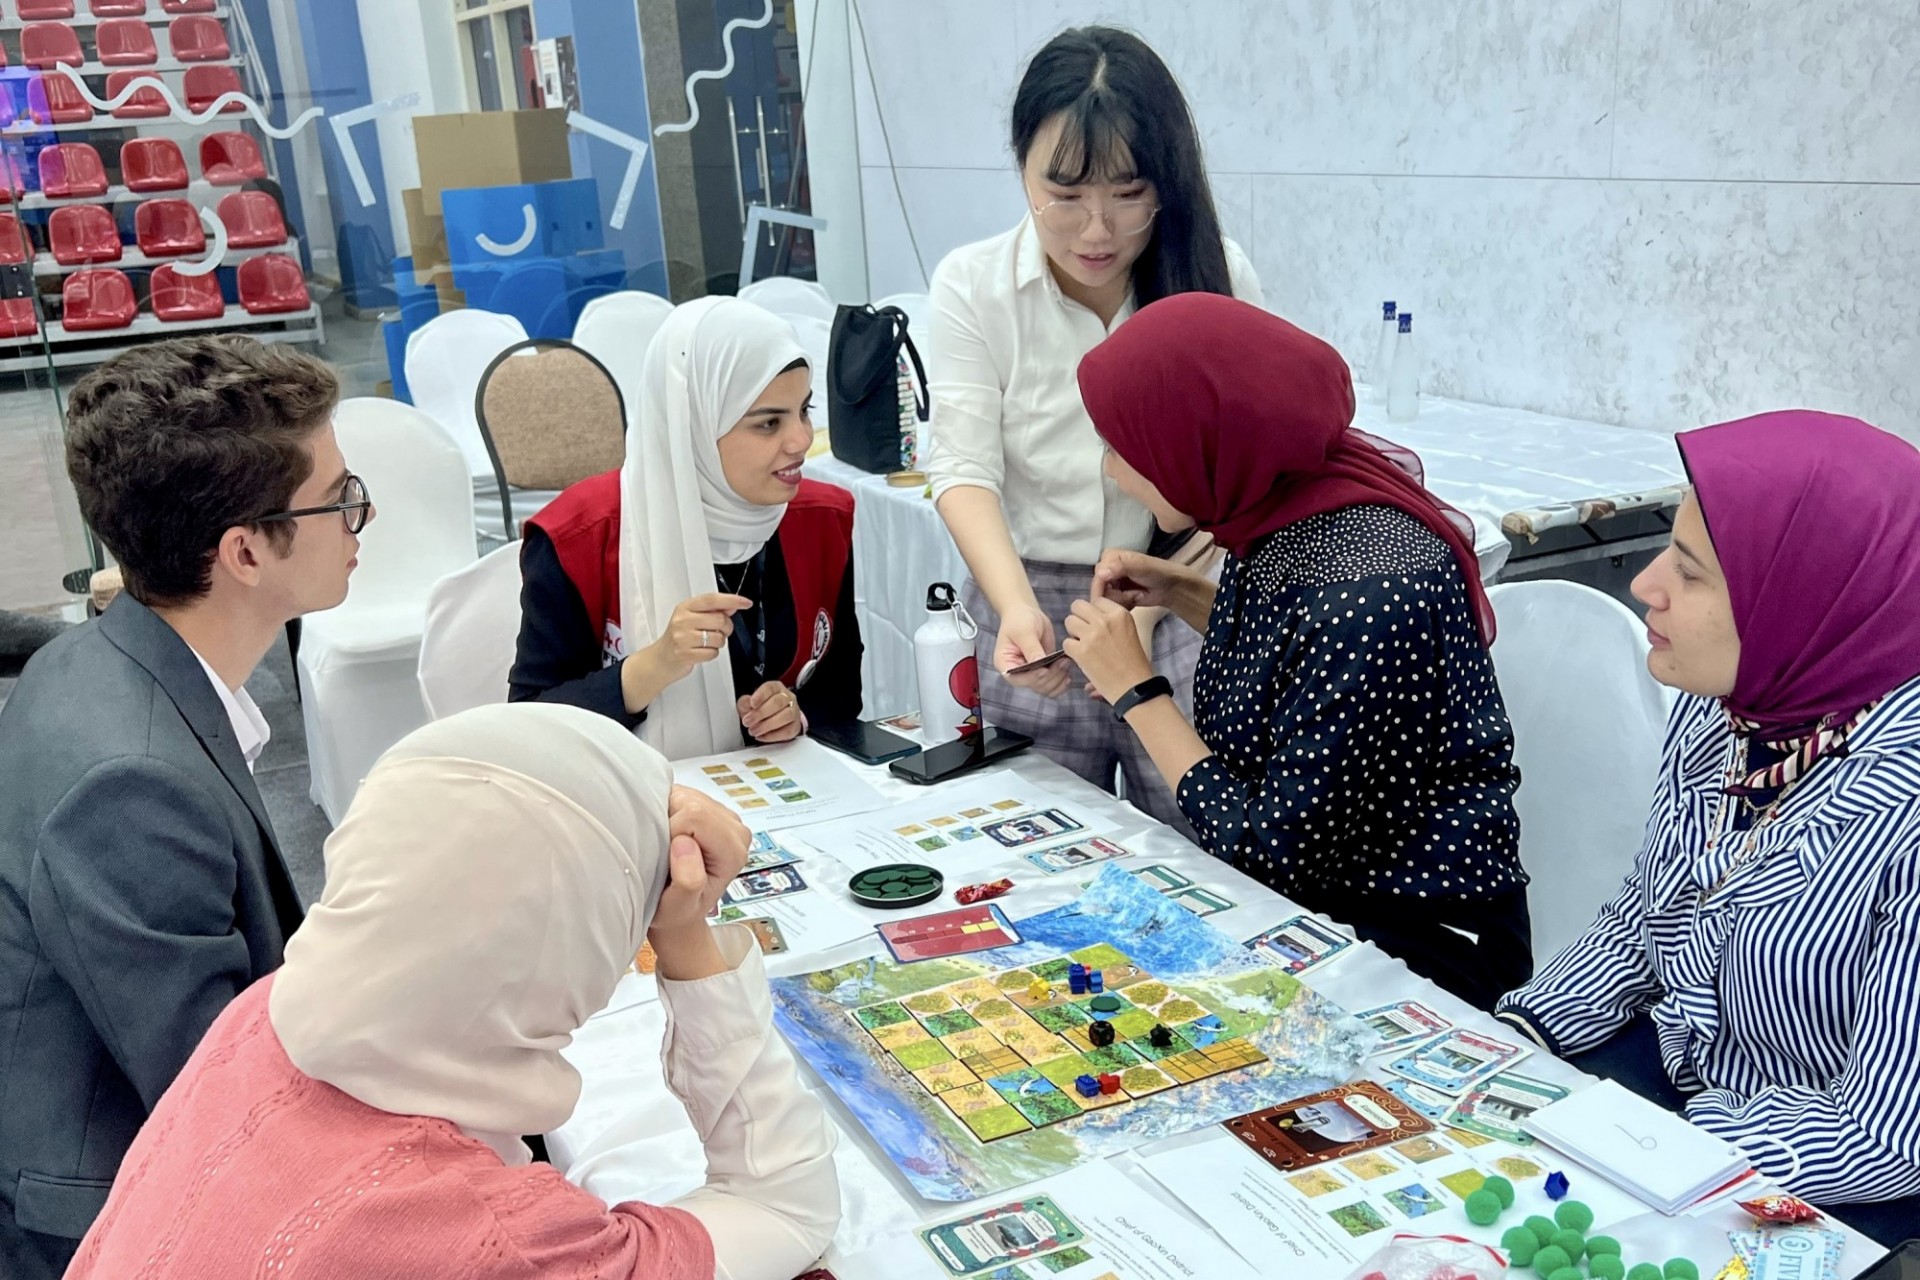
(1298, 944)
(1164, 878)
(1499, 1107)
(1074, 856)
(1404, 1023)
(1030, 829)
(1329, 1125)
(1803, 1252)
(1430, 1103)
(767, 933)
(757, 886)
(1002, 1236)
(908, 723)
(980, 927)
(764, 852)
(1202, 902)
(1456, 1061)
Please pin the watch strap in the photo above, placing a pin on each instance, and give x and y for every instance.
(1146, 691)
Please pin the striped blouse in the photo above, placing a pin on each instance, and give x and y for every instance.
(1784, 998)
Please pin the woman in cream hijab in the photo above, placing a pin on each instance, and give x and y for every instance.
(358, 1113)
(706, 543)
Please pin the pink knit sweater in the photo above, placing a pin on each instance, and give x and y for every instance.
(249, 1168)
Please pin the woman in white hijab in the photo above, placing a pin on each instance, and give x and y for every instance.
(358, 1113)
(707, 542)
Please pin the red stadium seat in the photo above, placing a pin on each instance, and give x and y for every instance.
(54, 99)
(168, 228)
(70, 170)
(177, 297)
(48, 44)
(230, 159)
(117, 8)
(83, 233)
(33, 10)
(153, 164)
(146, 101)
(14, 248)
(205, 84)
(188, 6)
(252, 220)
(98, 300)
(125, 42)
(17, 319)
(198, 38)
(272, 284)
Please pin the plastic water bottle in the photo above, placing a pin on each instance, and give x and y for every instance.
(1403, 385)
(1382, 367)
(949, 677)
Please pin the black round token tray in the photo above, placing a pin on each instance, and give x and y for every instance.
(896, 885)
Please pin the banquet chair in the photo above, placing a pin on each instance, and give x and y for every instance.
(550, 415)
(786, 296)
(616, 330)
(445, 358)
(359, 661)
(472, 629)
(1588, 725)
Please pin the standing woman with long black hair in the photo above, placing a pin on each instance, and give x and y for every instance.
(1120, 215)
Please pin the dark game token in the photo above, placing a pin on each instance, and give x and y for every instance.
(1104, 1004)
(1100, 1033)
(896, 885)
(1160, 1037)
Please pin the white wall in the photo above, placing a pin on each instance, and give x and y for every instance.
(1651, 212)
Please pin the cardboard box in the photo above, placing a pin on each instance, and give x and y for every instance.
(566, 221)
(489, 149)
(428, 231)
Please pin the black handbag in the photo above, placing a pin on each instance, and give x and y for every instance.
(869, 416)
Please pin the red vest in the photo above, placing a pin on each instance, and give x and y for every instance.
(815, 536)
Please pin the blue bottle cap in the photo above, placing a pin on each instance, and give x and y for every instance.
(1406, 322)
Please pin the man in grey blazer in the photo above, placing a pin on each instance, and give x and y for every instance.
(140, 885)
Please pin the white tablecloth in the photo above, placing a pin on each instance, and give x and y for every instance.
(628, 1138)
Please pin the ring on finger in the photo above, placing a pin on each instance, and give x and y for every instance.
(706, 639)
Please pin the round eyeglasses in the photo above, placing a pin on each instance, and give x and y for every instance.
(1071, 217)
(354, 507)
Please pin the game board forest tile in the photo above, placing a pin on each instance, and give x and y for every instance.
(1134, 1022)
(1059, 1017)
(946, 1024)
(971, 1041)
(1052, 970)
(900, 1033)
(965, 1099)
(1002, 1121)
(1064, 1071)
(925, 1053)
(1153, 1053)
(1115, 1057)
(1142, 1081)
(929, 1002)
(942, 1076)
(881, 1015)
(972, 991)
(1042, 1104)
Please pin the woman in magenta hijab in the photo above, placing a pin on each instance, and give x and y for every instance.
(1765, 952)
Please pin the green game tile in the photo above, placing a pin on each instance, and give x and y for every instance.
(1009, 1085)
(1045, 1107)
(1052, 970)
(1132, 1023)
(945, 1024)
(1115, 1057)
(1064, 1071)
(881, 1015)
(1059, 1017)
(922, 1053)
(1100, 955)
(996, 1122)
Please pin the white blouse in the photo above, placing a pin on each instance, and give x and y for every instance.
(1002, 355)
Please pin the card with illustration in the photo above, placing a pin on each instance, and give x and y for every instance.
(766, 852)
(1500, 1107)
(1298, 944)
(1030, 828)
(1202, 902)
(1074, 856)
(981, 927)
(908, 723)
(757, 886)
(1456, 1061)
(1001, 1236)
(1430, 1103)
(1403, 1023)
(767, 933)
(1164, 878)
(1334, 1124)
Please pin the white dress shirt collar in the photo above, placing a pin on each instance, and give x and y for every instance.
(250, 728)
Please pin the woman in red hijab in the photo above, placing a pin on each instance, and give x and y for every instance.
(1349, 748)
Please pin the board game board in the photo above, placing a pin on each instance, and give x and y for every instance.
(959, 1133)
(1004, 1058)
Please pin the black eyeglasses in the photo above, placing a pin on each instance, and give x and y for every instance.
(354, 507)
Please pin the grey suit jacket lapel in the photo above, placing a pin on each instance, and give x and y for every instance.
(139, 633)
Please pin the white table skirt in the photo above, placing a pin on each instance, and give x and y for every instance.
(630, 1140)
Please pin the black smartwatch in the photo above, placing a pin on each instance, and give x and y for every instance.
(1146, 691)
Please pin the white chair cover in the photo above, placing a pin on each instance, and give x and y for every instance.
(1588, 723)
(786, 296)
(473, 626)
(445, 358)
(359, 687)
(616, 329)
(919, 309)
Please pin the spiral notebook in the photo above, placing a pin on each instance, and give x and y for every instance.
(1648, 1151)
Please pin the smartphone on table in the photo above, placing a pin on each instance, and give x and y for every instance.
(864, 740)
(951, 759)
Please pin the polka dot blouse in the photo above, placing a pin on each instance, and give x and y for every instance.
(1360, 744)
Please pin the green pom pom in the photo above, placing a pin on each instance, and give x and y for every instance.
(1482, 1208)
(1605, 1266)
(1567, 1273)
(1682, 1269)
(1573, 1242)
(1550, 1260)
(1543, 1230)
(1645, 1271)
(1500, 1187)
(1573, 1215)
(1600, 1245)
(1521, 1246)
